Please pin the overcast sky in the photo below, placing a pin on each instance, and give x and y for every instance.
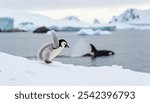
(86, 10)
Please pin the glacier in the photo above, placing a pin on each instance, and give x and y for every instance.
(6, 23)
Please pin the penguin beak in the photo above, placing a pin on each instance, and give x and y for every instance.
(67, 46)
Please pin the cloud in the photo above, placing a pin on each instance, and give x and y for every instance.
(65, 4)
(86, 9)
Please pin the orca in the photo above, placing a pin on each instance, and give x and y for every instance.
(98, 53)
(49, 51)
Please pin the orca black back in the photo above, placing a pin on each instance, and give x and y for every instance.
(98, 53)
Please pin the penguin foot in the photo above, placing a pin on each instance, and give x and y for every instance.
(47, 62)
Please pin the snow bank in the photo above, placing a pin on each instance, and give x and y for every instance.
(92, 32)
(21, 71)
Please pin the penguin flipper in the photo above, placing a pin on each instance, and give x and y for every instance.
(44, 51)
(55, 39)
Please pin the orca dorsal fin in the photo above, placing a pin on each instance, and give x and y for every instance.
(93, 49)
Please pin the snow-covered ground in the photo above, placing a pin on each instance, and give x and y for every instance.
(21, 71)
(92, 32)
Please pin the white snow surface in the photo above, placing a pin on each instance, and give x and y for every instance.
(21, 71)
(92, 32)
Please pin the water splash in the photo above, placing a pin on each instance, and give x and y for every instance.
(80, 48)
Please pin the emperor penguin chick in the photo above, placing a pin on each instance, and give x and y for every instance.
(49, 51)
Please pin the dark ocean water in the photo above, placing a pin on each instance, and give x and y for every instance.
(131, 47)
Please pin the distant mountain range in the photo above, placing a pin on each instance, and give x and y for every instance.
(72, 18)
(133, 16)
(29, 22)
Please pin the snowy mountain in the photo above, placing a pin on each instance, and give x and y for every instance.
(92, 32)
(22, 16)
(96, 21)
(72, 18)
(133, 16)
(29, 22)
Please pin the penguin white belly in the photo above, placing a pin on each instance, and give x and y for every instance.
(54, 53)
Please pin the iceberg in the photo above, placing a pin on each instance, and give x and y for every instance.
(92, 32)
(6, 23)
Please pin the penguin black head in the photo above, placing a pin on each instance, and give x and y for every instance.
(63, 43)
